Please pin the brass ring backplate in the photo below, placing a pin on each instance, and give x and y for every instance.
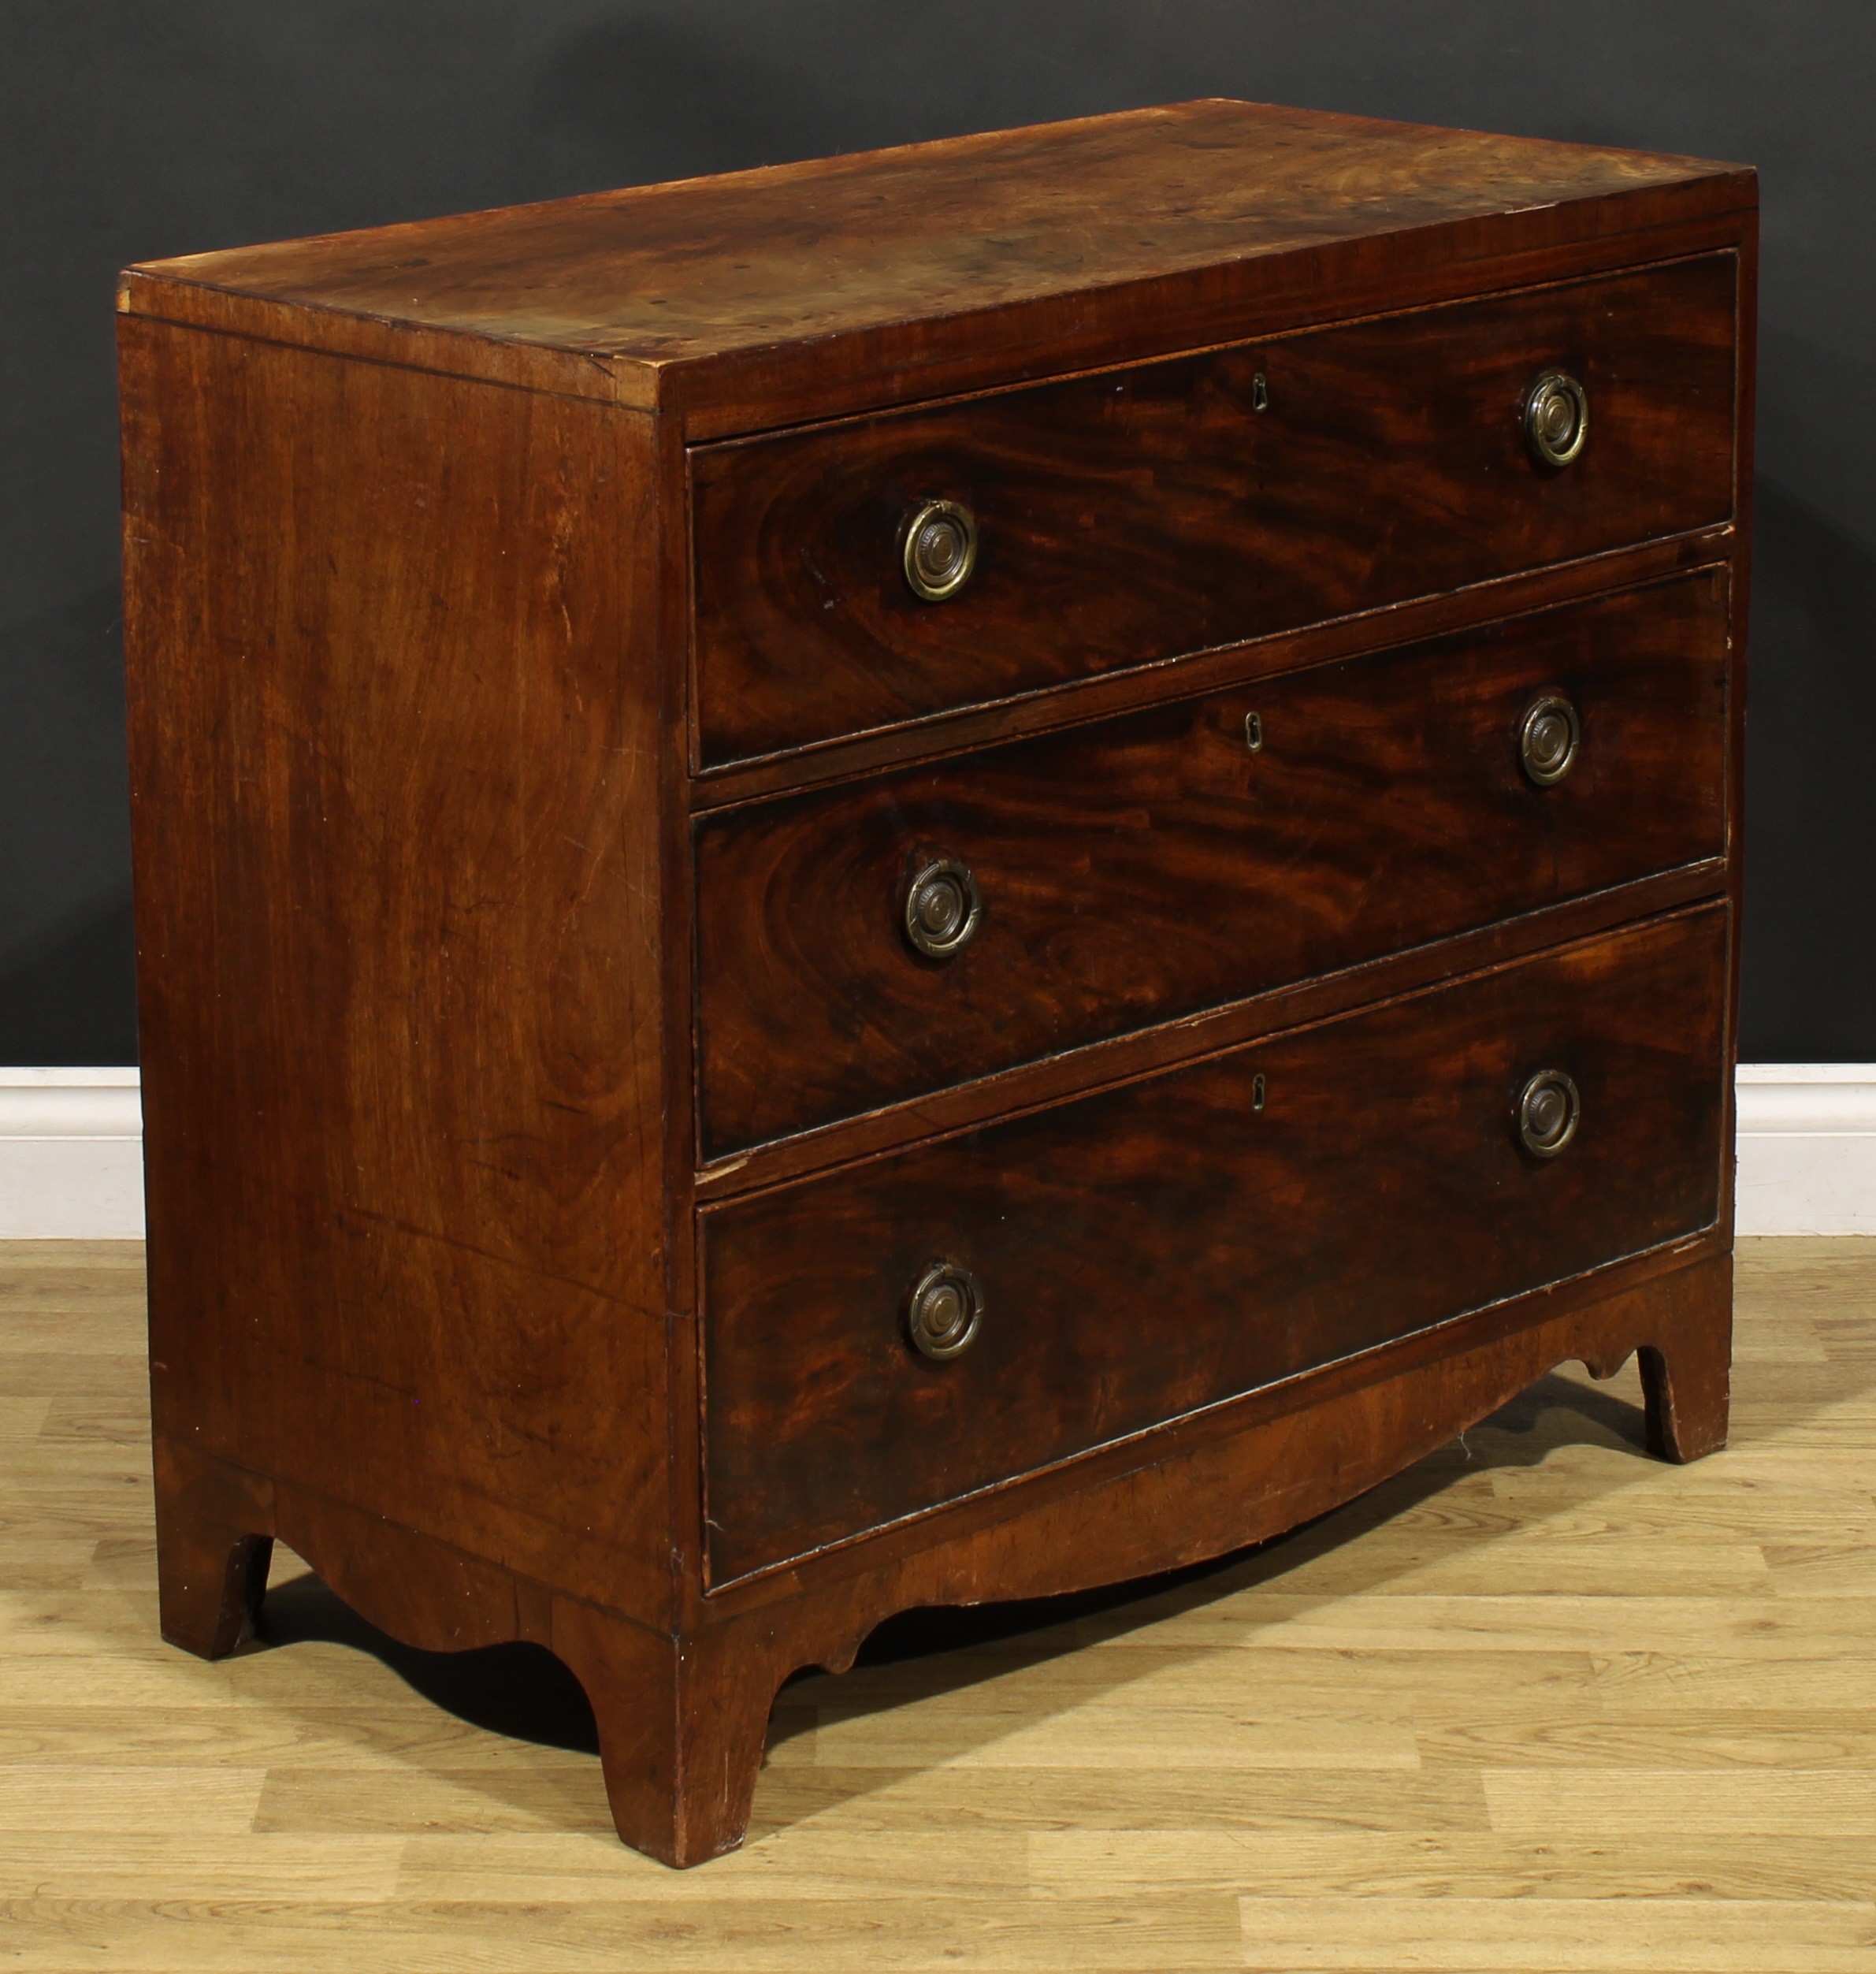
(942, 908)
(1556, 419)
(1548, 1111)
(1548, 737)
(945, 1308)
(940, 549)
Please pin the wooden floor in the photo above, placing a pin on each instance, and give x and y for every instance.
(1541, 1703)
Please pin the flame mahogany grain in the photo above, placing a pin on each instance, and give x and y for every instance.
(1131, 517)
(1165, 1245)
(1145, 868)
(422, 632)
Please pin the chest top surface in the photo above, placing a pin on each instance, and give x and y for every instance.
(680, 293)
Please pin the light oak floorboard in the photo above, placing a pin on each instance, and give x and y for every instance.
(1541, 1703)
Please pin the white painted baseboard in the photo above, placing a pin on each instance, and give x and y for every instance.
(71, 1164)
(1807, 1142)
(71, 1155)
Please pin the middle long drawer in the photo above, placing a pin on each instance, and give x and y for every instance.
(1142, 868)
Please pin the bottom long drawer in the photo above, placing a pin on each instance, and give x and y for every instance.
(1127, 1258)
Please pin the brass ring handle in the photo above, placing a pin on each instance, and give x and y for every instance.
(1548, 738)
(1548, 1111)
(1556, 419)
(940, 549)
(942, 908)
(943, 1312)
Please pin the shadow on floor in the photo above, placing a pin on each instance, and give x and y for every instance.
(524, 1692)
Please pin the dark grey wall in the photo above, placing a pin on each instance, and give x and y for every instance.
(129, 130)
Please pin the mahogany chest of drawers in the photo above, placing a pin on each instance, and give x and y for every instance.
(930, 877)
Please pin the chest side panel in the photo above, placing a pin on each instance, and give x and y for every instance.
(394, 704)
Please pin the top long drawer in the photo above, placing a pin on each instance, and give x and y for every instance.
(1132, 516)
